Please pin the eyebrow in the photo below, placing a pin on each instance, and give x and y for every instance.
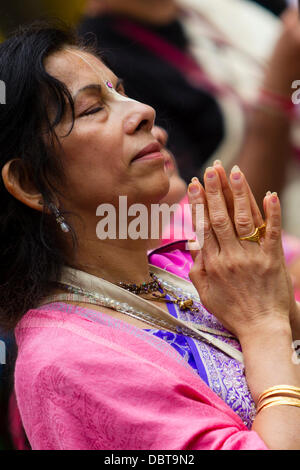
(96, 87)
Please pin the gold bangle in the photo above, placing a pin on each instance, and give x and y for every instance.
(278, 401)
(279, 389)
(277, 394)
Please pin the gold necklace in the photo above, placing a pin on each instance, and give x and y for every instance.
(86, 288)
(149, 291)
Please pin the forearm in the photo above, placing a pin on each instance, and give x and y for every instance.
(266, 151)
(268, 362)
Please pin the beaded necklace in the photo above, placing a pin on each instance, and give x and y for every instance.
(86, 288)
(156, 285)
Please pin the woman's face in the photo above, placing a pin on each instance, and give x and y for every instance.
(99, 156)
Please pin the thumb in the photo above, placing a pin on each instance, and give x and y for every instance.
(193, 248)
(198, 274)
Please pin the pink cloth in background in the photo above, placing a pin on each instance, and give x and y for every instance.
(82, 384)
(291, 247)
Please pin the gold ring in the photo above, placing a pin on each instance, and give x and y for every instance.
(256, 235)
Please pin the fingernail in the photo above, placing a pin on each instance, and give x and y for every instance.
(274, 198)
(193, 188)
(210, 172)
(195, 179)
(236, 173)
(268, 193)
(217, 162)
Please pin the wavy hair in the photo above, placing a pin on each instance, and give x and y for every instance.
(31, 253)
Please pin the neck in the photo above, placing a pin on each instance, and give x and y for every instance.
(114, 260)
(154, 12)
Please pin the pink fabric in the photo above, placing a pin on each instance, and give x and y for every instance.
(291, 247)
(15, 425)
(174, 258)
(82, 384)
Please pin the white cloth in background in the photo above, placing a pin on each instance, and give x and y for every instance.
(251, 33)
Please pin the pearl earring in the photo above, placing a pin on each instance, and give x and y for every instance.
(59, 218)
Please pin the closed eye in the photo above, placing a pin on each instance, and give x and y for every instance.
(92, 111)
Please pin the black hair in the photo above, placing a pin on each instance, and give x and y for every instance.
(31, 254)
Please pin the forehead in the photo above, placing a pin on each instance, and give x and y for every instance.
(76, 68)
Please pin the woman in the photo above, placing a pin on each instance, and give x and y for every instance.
(92, 372)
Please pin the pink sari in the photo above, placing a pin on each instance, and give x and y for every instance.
(84, 380)
(83, 384)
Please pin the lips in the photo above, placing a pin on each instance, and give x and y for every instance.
(150, 149)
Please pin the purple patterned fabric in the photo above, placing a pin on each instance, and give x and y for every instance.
(223, 374)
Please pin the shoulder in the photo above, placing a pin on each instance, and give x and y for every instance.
(82, 337)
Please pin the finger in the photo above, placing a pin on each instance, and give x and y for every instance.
(227, 192)
(272, 239)
(256, 213)
(265, 201)
(196, 195)
(243, 218)
(257, 216)
(217, 209)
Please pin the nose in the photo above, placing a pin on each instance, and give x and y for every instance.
(140, 116)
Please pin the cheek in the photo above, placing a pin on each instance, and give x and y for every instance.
(92, 166)
(90, 147)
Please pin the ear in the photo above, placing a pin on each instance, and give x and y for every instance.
(18, 184)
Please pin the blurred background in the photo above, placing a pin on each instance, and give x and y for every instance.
(201, 126)
(16, 12)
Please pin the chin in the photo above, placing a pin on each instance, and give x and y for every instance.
(154, 189)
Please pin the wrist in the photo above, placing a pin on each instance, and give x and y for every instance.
(277, 84)
(268, 355)
(266, 331)
(276, 103)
